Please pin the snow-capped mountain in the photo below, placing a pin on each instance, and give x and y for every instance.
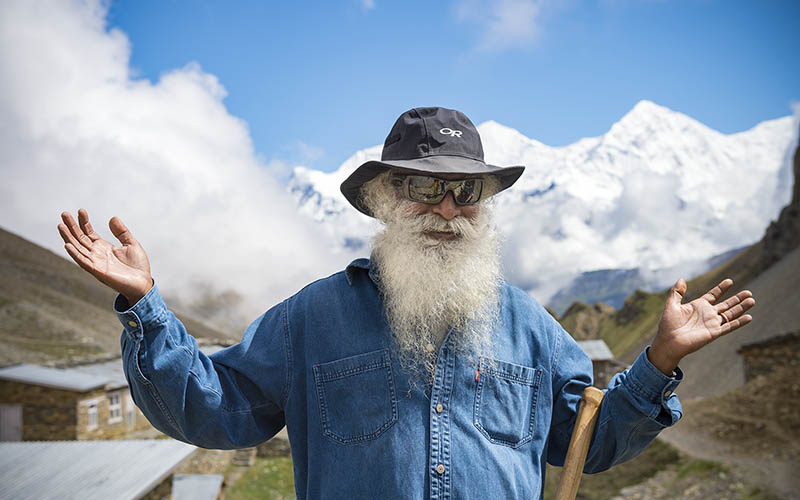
(658, 190)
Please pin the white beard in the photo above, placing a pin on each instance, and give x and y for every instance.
(433, 286)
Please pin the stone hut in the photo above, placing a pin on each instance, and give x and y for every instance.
(40, 403)
(760, 358)
(604, 365)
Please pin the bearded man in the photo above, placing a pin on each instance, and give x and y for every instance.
(418, 373)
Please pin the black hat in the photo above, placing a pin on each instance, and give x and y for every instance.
(429, 140)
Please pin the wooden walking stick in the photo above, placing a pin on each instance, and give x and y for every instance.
(579, 443)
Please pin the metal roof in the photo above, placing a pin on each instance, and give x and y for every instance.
(79, 378)
(56, 378)
(110, 370)
(196, 486)
(43, 470)
(597, 350)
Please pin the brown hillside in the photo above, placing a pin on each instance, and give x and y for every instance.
(50, 309)
(583, 321)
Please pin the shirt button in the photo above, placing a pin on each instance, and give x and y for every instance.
(133, 323)
(439, 408)
(440, 469)
(667, 394)
(429, 348)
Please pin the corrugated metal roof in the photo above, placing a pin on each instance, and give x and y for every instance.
(100, 470)
(67, 379)
(80, 378)
(196, 486)
(111, 371)
(597, 350)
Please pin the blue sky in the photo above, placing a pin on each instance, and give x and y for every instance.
(316, 81)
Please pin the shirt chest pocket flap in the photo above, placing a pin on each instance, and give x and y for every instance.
(356, 397)
(505, 402)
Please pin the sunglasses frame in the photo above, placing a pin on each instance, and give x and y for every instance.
(403, 181)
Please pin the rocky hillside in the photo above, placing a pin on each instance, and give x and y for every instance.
(50, 309)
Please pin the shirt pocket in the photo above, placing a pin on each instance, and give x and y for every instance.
(505, 402)
(356, 397)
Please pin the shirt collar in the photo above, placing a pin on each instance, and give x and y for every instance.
(362, 264)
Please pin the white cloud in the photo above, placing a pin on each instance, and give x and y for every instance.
(503, 24)
(76, 130)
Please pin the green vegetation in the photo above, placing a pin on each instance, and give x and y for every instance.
(699, 468)
(268, 478)
(607, 484)
(635, 322)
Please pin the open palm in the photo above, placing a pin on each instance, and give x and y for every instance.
(685, 328)
(124, 268)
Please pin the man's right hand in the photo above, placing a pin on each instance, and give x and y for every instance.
(124, 268)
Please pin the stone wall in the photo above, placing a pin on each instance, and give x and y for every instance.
(47, 414)
(761, 358)
(604, 371)
(54, 414)
(161, 492)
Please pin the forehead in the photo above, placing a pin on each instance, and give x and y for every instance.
(438, 175)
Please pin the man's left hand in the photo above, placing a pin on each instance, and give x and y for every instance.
(685, 328)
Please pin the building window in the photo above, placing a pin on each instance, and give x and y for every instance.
(92, 414)
(114, 408)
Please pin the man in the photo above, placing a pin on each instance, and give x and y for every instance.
(419, 373)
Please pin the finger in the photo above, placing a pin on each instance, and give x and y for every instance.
(79, 258)
(735, 324)
(736, 299)
(69, 239)
(77, 233)
(86, 226)
(120, 231)
(676, 293)
(718, 291)
(738, 309)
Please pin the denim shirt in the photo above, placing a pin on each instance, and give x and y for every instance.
(321, 363)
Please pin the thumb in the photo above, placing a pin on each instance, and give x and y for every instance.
(120, 231)
(676, 293)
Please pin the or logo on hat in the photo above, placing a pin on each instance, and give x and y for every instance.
(450, 132)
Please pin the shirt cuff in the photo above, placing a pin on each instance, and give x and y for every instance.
(647, 382)
(149, 311)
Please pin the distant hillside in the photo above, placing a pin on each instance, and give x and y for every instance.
(50, 309)
(613, 286)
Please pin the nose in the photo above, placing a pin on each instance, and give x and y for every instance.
(447, 208)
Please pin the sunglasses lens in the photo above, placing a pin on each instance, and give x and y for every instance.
(426, 189)
(468, 191)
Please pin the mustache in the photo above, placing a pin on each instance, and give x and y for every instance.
(426, 223)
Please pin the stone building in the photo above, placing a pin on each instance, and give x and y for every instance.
(604, 366)
(760, 358)
(38, 403)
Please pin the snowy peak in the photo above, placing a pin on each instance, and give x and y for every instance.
(658, 190)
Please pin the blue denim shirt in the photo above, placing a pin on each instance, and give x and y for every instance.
(321, 363)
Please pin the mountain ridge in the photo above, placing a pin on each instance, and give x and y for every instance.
(655, 191)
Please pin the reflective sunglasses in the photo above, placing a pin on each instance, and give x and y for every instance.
(432, 190)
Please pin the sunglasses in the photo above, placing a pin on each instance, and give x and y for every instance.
(432, 190)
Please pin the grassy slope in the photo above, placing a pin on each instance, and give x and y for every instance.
(51, 309)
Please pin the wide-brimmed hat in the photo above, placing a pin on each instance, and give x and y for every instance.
(431, 141)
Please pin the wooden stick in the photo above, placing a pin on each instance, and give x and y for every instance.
(579, 443)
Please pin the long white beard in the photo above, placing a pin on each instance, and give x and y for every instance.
(432, 286)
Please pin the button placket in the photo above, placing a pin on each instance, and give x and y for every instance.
(439, 454)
